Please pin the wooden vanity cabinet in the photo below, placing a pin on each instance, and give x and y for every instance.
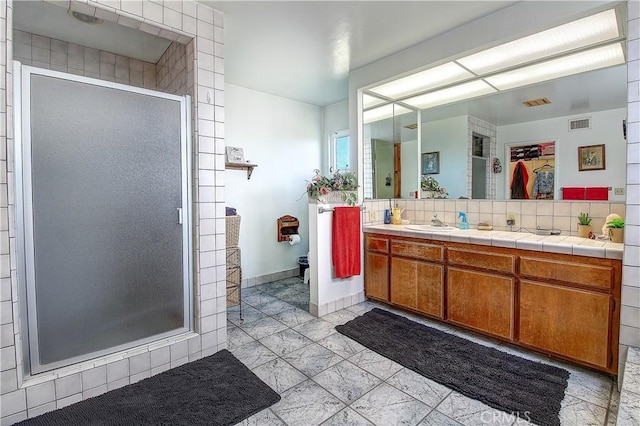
(561, 305)
(376, 267)
(417, 274)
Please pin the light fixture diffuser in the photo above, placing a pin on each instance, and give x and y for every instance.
(371, 101)
(588, 60)
(383, 112)
(432, 78)
(573, 35)
(450, 94)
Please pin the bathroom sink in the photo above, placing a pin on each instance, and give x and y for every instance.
(430, 228)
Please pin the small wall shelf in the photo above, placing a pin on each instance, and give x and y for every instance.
(241, 166)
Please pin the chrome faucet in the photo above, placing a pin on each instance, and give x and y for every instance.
(436, 222)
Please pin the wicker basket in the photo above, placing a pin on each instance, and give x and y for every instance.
(233, 257)
(234, 278)
(233, 230)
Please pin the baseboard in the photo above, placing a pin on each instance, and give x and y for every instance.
(336, 305)
(267, 278)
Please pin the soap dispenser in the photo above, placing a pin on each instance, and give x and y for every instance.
(463, 221)
(396, 215)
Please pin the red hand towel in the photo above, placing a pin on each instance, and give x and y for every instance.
(598, 193)
(573, 193)
(346, 241)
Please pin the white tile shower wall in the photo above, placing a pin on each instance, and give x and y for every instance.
(630, 312)
(560, 215)
(190, 24)
(48, 53)
(489, 130)
(171, 75)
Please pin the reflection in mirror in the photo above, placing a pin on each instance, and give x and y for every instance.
(471, 131)
(390, 146)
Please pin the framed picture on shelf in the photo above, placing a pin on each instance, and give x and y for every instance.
(591, 157)
(431, 163)
(234, 155)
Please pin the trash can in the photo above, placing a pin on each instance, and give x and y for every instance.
(303, 261)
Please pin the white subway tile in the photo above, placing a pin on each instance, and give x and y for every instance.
(172, 18)
(97, 376)
(8, 381)
(7, 358)
(160, 357)
(118, 383)
(152, 11)
(179, 350)
(13, 402)
(133, 7)
(139, 363)
(117, 370)
(68, 385)
(41, 394)
(98, 390)
(41, 409)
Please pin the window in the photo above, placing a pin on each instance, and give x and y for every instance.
(339, 151)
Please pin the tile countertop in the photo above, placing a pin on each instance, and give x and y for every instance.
(563, 244)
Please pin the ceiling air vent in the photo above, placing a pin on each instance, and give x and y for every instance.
(580, 123)
(537, 102)
(411, 126)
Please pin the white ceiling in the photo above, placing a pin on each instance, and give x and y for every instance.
(53, 21)
(304, 50)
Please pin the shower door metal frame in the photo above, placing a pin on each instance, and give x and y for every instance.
(25, 247)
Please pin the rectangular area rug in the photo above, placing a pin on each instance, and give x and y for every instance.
(507, 382)
(216, 390)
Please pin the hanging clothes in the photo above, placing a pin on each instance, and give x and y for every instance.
(543, 186)
(519, 182)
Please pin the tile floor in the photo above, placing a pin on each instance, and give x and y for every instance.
(327, 379)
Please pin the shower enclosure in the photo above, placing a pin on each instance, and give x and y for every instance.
(102, 210)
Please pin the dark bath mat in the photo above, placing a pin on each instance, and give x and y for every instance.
(529, 389)
(216, 390)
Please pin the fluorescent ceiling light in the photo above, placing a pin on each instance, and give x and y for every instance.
(583, 32)
(588, 60)
(383, 112)
(432, 78)
(450, 94)
(371, 101)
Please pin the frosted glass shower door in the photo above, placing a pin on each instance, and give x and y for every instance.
(105, 184)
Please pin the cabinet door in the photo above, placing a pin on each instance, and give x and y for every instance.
(417, 285)
(481, 301)
(567, 321)
(376, 276)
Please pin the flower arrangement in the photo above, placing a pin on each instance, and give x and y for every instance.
(320, 186)
(428, 183)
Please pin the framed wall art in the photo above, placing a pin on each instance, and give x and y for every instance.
(234, 155)
(591, 157)
(431, 163)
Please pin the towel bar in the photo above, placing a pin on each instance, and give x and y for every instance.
(330, 209)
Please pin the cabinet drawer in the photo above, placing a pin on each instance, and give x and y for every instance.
(596, 276)
(482, 259)
(381, 245)
(417, 250)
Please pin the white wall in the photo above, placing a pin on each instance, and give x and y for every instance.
(283, 138)
(450, 138)
(409, 177)
(334, 119)
(606, 128)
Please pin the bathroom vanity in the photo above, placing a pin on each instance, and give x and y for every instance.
(561, 304)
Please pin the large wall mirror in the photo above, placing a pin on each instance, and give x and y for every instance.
(469, 121)
(391, 141)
